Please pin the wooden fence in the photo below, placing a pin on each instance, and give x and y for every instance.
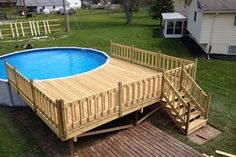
(29, 28)
(146, 58)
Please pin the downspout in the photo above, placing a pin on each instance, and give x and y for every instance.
(211, 37)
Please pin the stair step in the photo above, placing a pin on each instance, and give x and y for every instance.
(181, 111)
(194, 114)
(196, 124)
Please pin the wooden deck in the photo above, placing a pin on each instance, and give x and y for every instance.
(142, 140)
(103, 79)
(131, 81)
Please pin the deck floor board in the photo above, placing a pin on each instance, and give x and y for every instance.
(107, 77)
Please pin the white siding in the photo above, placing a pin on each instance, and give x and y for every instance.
(219, 30)
(194, 27)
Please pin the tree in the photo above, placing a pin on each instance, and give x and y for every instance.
(128, 6)
(161, 6)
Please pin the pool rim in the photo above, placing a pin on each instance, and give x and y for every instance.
(56, 47)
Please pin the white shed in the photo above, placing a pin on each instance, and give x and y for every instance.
(174, 25)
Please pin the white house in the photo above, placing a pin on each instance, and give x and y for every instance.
(212, 24)
(41, 6)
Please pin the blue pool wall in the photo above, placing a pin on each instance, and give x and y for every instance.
(9, 96)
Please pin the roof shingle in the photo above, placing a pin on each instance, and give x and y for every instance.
(219, 5)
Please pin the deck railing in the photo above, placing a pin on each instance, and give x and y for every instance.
(37, 100)
(114, 103)
(200, 99)
(154, 60)
(176, 102)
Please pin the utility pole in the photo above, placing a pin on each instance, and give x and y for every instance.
(24, 6)
(67, 24)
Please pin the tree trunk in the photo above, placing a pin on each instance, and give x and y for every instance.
(128, 8)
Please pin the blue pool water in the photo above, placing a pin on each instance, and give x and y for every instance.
(53, 63)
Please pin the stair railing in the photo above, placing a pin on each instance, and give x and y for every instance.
(194, 92)
(178, 105)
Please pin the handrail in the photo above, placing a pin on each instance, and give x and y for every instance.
(195, 93)
(173, 97)
(154, 60)
(174, 76)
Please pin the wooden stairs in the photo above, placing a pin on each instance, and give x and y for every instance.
(187, 105)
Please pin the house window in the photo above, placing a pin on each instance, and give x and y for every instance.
(43, 7)
(232, 50)
(235, 20)
(195, 16)
(54, 7)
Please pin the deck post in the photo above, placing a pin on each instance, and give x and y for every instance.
(208, 106)
(61, 122)
(135, 122)
(195, 70)
(33, 95)
(159, 60)
(132, 53)
(188, 117)
(120, 97)
(181, 77)
(111, 47)
(9, 85)
(71, 147)
(162, 83)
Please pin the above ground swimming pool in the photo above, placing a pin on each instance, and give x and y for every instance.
(53, 63)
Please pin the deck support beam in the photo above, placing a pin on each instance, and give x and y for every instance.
(136, 121)
(135, 118)
(148, 115)
(71, 147)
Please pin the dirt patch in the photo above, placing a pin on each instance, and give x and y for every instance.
(161, 118)
(204, 134)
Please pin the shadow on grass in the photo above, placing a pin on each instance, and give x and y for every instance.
(193, 48)
(156, 32)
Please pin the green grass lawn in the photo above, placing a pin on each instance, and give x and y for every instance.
(97, 28)
(15, 140)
